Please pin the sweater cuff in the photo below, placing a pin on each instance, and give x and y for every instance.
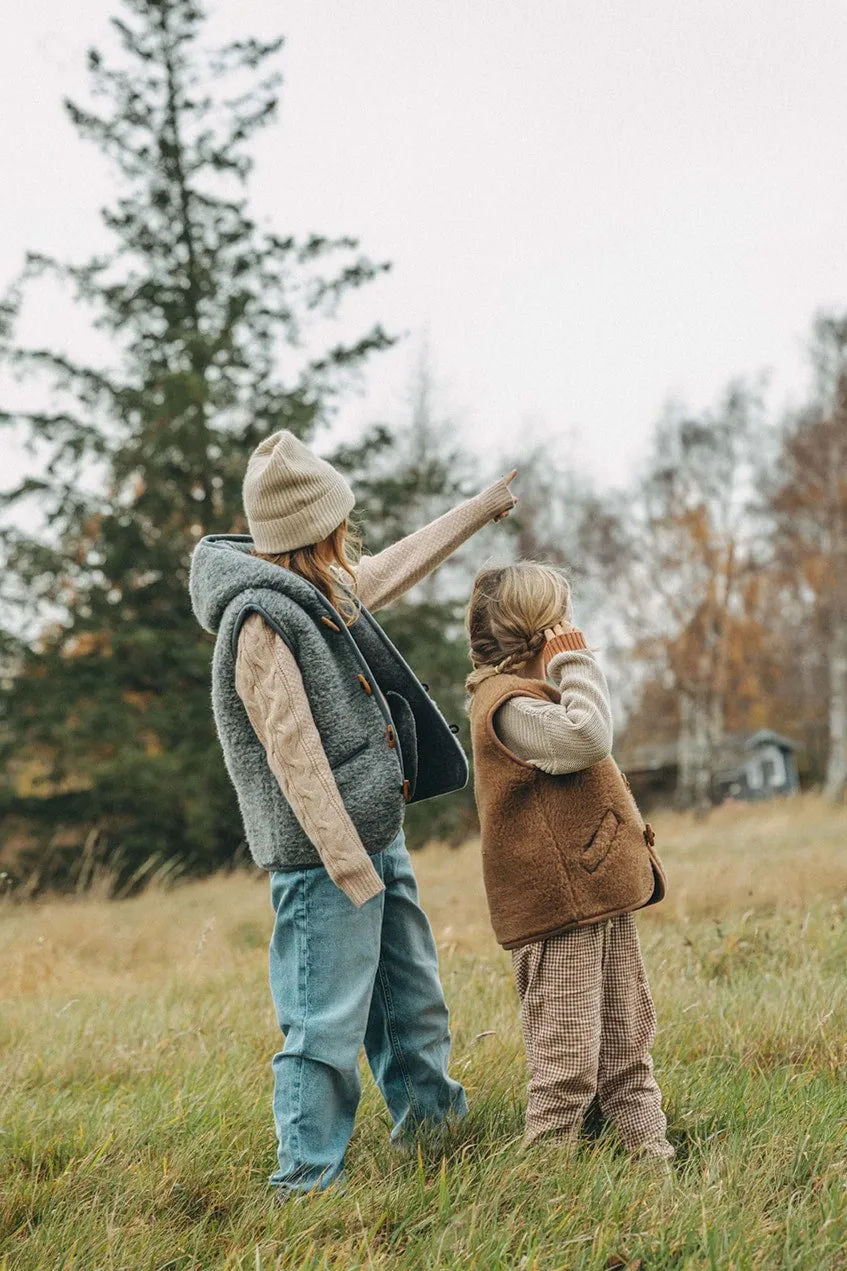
(567, 643)
(496, 500)
(362, 883)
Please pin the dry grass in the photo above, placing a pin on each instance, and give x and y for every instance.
(136, 1037)
(786, 855)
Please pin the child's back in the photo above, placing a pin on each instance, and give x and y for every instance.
(567, 858)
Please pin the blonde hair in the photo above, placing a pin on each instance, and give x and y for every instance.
(329, 566)
(508, 613)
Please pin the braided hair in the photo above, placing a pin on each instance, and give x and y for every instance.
(509, 610)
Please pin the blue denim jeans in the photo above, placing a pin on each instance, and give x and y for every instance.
(341, 978)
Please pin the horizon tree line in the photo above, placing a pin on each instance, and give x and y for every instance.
(717, 581)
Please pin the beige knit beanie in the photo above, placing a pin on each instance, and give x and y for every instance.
(291, 497)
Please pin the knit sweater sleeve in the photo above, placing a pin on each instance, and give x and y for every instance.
(385, 577)
(569, 735)
(270, 685)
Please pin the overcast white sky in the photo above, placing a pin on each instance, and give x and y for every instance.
(591, 205)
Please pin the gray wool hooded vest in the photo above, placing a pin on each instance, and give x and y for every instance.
(385, 740)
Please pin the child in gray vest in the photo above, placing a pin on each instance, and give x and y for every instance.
(327, 734)
(567, 858)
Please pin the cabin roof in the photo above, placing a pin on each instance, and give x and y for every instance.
(766, 736)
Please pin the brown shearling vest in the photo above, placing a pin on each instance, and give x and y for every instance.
(557, 852)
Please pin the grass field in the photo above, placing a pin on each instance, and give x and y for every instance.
(136, 1036)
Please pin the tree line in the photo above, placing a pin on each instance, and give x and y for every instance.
(717, 582)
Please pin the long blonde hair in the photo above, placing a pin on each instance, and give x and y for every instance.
(508, 613)
(330, 566)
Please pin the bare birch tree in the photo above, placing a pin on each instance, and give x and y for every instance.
(810, 502)
(691, 537)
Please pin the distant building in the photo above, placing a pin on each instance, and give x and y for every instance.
(749, 766)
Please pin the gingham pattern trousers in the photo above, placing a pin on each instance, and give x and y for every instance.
(588, 1024)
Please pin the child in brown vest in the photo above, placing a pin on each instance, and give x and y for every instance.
(566, 859)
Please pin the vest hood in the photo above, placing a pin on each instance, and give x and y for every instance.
(222, 567)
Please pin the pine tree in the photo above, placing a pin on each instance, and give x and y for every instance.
(108, 742)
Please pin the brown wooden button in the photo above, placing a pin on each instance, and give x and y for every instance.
(407, 790)
(392, 742)
(649, 836)
(365, 685)
(333, 626)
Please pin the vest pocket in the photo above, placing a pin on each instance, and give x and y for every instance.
(350, 754)
(595, 851)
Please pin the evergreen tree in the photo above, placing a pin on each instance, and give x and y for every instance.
(107, 735)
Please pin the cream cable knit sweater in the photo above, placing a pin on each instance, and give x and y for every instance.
(269, 683)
